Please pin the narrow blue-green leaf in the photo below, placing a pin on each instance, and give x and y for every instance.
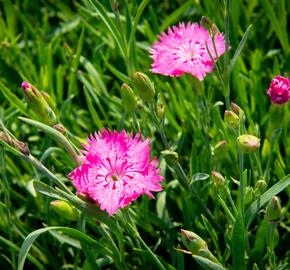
(28, 242)
(211, 231)
(268, 195)
(139, 12)
(207, 264)
(238, 244)
(239, 50)
(199, 177)
(14, 247)
(101, 11)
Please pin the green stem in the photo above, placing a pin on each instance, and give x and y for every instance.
(242, 183)
(159, 125)
(258, 164)
(87, 252)
(274, 139)
(229, 213)
(231, 200)
(153, 256)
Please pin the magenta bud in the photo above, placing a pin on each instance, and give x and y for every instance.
(279, 90)
(25, 85)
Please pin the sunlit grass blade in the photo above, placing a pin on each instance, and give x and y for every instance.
(29, 240)
(268, 195)
(239, 50)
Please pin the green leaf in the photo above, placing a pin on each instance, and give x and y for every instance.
(131, 42)
(239, 50)
(199, 177)
(238, 244)
(207, 264)
(111, 26)
(13, 99)
(211, 231)
(28, 242)
(175, 15)
(56, 135)
(277, 24)
(268, 195)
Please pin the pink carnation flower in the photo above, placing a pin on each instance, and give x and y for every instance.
(279, 90)
(116, 170)
(183, 50)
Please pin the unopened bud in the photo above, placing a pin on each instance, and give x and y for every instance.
(237, 109)
(65, 210)
(248, 143)
(21, 147)
(129, 100)
(38, 104)
(260, 186)
(273, 210)
(60, 128)
(218, 178)
(192, 241)
(160, 107)
(220, 148)
(196, 245)
(145, 88)
(49, 100)
(207, 23)
(5, 137)
(231, 119)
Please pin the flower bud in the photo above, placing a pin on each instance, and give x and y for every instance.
(60, 128)
(248, 143)
(145, 88)
(6, 138)
(196, 245)
(273, 210)
(38, 104)
(192, 241)
(218, 178)
(237, 109)
(22, 147)
(49, 100)
(129, 100)
(65, 210)
(160, 107)
(231, 119)
(279, 90)
(220, 148)
(260, 186)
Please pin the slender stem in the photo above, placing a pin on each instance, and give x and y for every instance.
(231, 200)
(242, 183)
(87, 252)
(258, 164)
(274, 138)
(229, 213)
(38, 165)
(271, 230)
(153, 256)
(159, 125)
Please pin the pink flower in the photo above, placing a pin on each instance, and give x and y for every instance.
(116, 170)
(183, 50)
(279, 90)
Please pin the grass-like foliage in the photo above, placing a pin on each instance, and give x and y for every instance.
(217, 157)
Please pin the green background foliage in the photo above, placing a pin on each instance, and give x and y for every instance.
(80, 52)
